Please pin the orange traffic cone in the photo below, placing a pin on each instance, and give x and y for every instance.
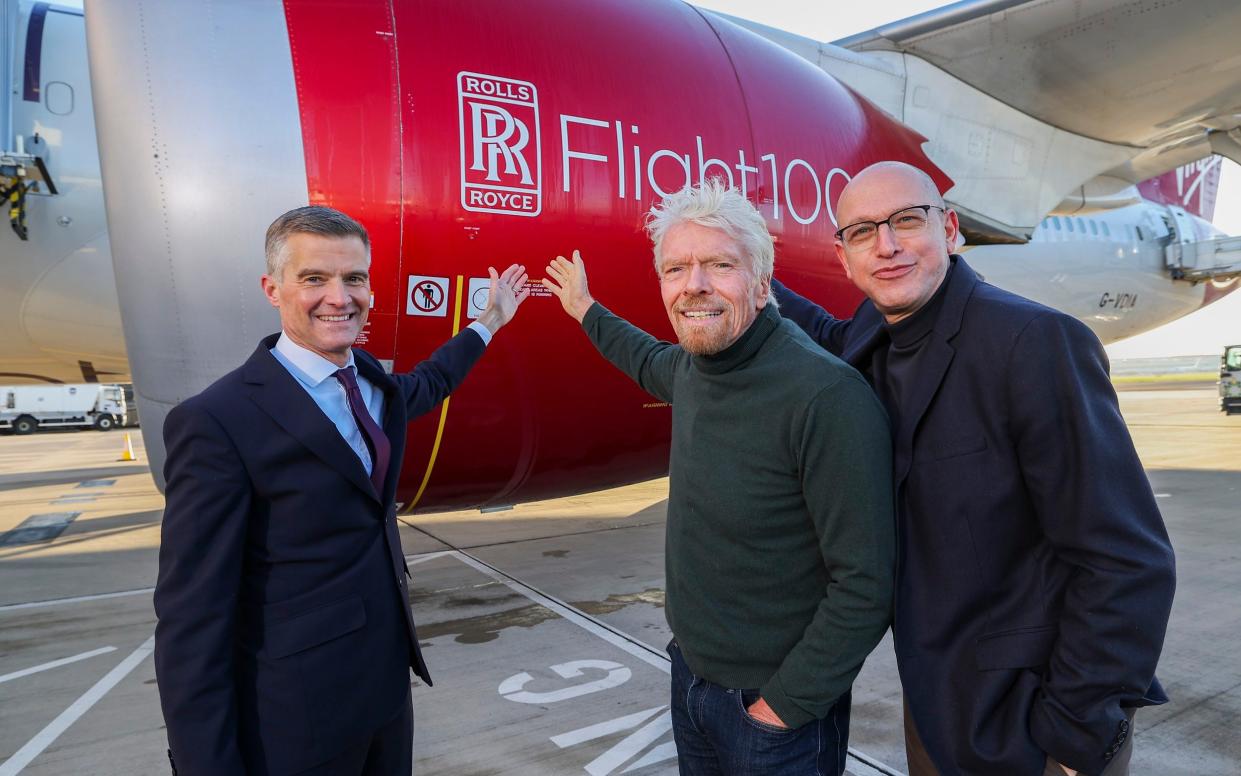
(128, 453)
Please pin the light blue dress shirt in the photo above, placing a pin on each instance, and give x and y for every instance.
(315, 373)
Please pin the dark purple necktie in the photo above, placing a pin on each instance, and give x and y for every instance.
(376, 439)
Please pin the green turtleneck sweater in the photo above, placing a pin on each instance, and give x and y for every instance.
(780, 534)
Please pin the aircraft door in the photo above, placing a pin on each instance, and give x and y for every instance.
(1180, 226)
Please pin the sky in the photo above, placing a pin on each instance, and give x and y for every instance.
(1201, 333)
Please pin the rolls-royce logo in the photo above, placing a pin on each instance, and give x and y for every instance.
(501, 152)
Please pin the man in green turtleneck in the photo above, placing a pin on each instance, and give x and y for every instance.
(780, 535)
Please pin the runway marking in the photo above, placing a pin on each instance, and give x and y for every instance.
(860, 763)
(75, 599)
(45, 737)
(64, 661)
(865, 765)
(38, 528)
(439, 431)
(605, 728)
(95, 484)
(628, 747)
(513, 688)
(648, 654)
(414, 560)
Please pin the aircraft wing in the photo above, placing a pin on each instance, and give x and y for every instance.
(1162, 76)
(1039, 106)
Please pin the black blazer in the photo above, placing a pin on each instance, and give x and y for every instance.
(1034, 572)
(284, 633)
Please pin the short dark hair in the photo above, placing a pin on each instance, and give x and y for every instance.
(312, 219)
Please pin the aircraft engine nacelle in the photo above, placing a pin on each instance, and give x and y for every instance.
(462, 135)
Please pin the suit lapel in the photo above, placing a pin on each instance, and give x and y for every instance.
(278, 394)
(934, 362)
(934, 365)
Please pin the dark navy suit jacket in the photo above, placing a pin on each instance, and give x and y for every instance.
(285, 633)
(1034, 572)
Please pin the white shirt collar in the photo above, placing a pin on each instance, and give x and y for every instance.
(314, 367)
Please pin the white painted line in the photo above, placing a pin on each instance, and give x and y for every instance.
(864, 765)
(644, 652)
(665, 751)
(76, 599)
(413, 560)
(64, 661)
(606, 728)
(45, 737)
(631, 745)
(858, 763)
(512, 688)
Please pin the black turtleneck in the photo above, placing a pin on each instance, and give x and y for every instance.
(893, 369)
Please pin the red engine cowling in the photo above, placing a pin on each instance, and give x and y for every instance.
(465, 135)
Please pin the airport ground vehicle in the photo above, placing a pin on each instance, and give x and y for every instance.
(1081, 188)
(26, 408)
(1230, 380)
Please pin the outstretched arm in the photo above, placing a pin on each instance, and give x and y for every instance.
(507, 292)
(431, 381)
(648, 361)
(567, 280)
(821, 325)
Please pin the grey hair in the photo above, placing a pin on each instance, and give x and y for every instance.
(715, 205)
(312, 219)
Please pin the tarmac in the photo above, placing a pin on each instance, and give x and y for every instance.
(543, 625)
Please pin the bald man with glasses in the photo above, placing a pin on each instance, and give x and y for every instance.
(1034, 572)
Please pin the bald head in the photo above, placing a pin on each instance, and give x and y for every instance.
(894, 177)
(901, 258)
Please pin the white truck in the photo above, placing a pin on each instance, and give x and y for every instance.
(26, 408)
(1230, 380)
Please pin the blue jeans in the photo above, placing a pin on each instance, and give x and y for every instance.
(715, 736)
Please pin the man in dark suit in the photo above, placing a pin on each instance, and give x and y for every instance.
(285, 636)
(1034, 572)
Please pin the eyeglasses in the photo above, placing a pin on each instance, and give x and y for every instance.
(903, 223)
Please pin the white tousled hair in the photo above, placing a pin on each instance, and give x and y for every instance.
(715, 205)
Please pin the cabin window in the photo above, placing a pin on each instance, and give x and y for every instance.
(1141, 234)
(1094, 228)
(1106, 232)
(10, 401)
(58, 98)
(1068, 224)
(1055, 221)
